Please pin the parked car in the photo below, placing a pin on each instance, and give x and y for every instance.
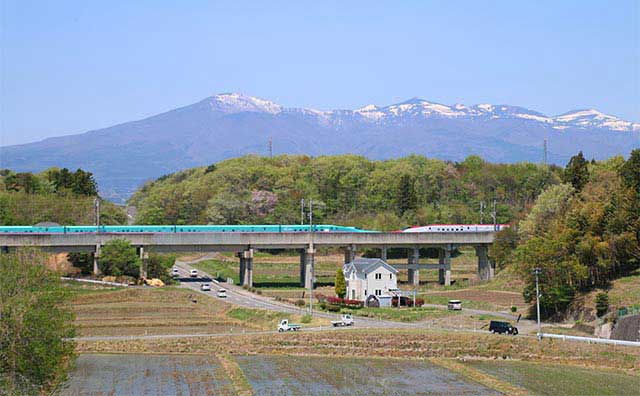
(222, 293)
(286, 326)
(193, 273)
(345, 320)
(205, 287)
(454, 305)
(502, 327)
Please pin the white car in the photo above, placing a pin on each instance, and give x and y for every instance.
(205, 287)
(175, 272)
(454, 305)
(222, 293)
(193, 273)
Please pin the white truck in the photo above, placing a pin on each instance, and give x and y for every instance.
(345, 320)
(286, 326)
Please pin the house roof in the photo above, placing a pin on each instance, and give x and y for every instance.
(367, 265)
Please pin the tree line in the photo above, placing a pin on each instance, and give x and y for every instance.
(345, 189)
(54, 195)
(582, 233)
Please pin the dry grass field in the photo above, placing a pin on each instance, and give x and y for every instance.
(171, 310)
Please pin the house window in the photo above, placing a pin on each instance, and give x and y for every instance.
(390, 276)
(378, 276)
(353, 294)
(378, 292)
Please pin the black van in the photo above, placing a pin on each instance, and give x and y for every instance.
(502, 327)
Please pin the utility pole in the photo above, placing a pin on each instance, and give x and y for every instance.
(494, 217)
(481, 212)
(311, 247)
(302, 211)
(537, 272)
(96, 213)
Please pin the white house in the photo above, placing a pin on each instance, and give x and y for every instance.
(370, 277)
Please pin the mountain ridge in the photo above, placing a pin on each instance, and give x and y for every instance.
(226, 125)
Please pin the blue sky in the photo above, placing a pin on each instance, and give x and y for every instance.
(72, 66)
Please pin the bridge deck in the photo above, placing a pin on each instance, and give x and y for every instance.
(222, 241)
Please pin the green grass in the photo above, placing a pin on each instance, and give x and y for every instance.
(546, 379)
(402, 314)
(444, 300)
(268, 275)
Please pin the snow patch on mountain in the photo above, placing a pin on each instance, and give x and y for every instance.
(236, 103)
(417, 108)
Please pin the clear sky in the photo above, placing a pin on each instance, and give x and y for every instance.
(72, 66)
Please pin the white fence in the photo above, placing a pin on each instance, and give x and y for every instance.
(591, 340)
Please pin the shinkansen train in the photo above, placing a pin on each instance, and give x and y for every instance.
(174, 229)
(457, 228)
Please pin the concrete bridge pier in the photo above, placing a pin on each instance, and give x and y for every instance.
(96, 257)
(143, 261)
(306, 267)
(485, 269)
(349, 254)
(444, 270)
(413, 259)
(246, 267)
(383, 253)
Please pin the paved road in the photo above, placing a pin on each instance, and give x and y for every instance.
(238, 296)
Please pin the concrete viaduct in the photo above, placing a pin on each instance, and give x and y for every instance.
(244, 243)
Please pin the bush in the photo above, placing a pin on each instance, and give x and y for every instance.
(300, 302)
(158, 266)
(333, 308)
(119, 258)
(419, 302)
(514, 308)
(306, 318)
(602, 304)
(335, 300)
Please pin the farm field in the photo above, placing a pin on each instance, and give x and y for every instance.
(398, 343)
(170, 310)
(307, 375)
(560, 380)
(222, 374)
(129, 374)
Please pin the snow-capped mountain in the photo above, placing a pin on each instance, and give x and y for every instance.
(232, 124)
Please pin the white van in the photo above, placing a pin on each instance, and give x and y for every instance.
(205, 287)
(222, 293)
(193, 273)
(454, 305)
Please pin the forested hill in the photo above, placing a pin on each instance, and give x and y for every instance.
(55, 195)
(346, 189)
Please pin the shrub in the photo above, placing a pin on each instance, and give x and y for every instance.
(514, 308)
(306, 318)
(333, 308)
(300, 302)
(419, 302)
(335, 300)
(602, 304)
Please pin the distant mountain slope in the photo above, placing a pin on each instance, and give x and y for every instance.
(228, 125)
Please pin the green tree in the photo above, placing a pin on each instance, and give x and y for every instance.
(630, 171)
(35, 325)
(602, 304)
(406, 194)
(577, 171)
(340, 284)
(158, 266)
(118, 257)
(83, 261)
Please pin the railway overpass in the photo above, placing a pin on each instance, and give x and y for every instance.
(244, 244)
